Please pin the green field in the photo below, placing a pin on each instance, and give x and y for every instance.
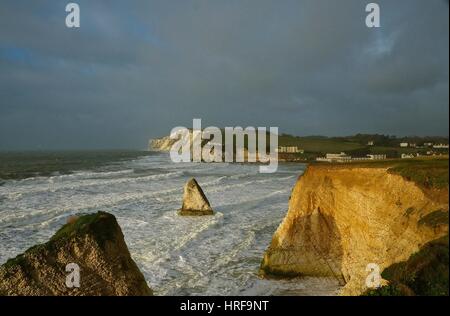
(318, 144)
(429, 173)
(426, 172)
(355, 146)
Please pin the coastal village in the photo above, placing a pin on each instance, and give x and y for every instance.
(431, 150)
(368, 152)
(355, 148)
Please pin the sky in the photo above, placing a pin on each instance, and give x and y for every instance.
(136, 69)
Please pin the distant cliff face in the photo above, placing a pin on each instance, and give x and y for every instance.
(165, 143)
(340, 219)
(161, 144)
(95, 243)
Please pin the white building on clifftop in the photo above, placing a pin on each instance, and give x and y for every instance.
(342, 157)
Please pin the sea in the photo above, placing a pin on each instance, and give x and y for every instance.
(211, 255)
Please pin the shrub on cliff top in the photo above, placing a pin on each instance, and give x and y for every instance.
(101, 225)
(427, 173)
(425, 273)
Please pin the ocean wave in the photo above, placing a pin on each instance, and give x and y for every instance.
(246, 184)
(178, 255)
(51, 186)
(97, 202)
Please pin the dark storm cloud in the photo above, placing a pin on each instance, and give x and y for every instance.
(136, 69)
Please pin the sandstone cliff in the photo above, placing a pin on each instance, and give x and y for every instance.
(341, 218)
(95, 243)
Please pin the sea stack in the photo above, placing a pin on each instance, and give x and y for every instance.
(195, 202)
(93, 245)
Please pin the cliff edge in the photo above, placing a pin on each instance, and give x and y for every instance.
(341, 218)
(95, 243)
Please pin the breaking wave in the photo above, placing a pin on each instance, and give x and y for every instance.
(208, 255)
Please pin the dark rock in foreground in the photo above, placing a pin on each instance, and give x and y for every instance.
(195, 202)
(93, 242)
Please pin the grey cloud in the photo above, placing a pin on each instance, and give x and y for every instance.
(136, 69)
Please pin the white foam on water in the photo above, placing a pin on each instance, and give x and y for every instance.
(53, 184)
(178, 255)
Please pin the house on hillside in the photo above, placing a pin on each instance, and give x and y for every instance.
(341, 157)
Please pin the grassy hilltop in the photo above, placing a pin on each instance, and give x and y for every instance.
(357, 145)
(427, 172)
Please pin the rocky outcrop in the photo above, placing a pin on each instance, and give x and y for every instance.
(340, 219)
(93, 242)
(195, 202)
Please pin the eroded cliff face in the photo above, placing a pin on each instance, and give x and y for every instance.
(95, 243)
(342, 218)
